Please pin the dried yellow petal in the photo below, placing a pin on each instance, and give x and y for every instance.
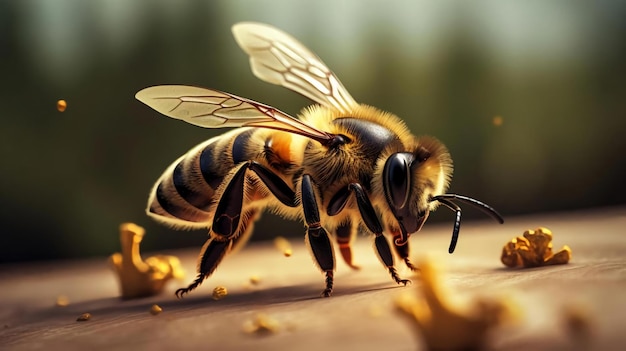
(534, 249)
(139, 278)
(509, 256)
(540, 242)
(443, 327)
(561, 257)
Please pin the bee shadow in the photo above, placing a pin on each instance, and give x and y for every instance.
(111, 309)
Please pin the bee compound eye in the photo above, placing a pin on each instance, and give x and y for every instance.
(397, 179)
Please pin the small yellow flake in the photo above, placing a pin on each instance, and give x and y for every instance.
(283, 245)
(497, 121)
(155, 309)
(61, 105)
(84, 317)
(62, 301)
(255, 280)
(262, 324)
(219, 292)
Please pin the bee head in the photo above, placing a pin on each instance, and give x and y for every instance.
(410, 178)
(414, 184)
(401, 192)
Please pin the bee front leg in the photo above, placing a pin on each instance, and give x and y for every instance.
(373, 224)
(402, 249)
(317, 236)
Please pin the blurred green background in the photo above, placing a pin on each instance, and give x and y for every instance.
(553, 71)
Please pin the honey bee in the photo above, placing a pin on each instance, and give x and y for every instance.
(338, 167)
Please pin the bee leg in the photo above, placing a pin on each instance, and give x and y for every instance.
(344, 235)
(224, 229)
(402, 249)
(229, 226)
(211, 255)
(317, 236)
(373, 224)
(247, 227)
(228, 211)
(275, 184)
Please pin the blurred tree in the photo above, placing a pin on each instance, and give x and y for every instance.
(553, 73)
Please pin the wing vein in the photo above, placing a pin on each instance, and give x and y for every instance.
(278, 58)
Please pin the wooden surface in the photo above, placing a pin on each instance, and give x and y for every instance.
(359, 316)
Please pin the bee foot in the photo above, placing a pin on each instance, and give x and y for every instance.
(180, 293)
(397, 278)
(410, 265)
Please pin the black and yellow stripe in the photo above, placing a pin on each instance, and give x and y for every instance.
(186, 190)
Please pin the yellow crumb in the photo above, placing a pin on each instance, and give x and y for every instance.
(61, 105)
(283, 245)
(155, 309)
(255, 280)
(497, 121)
(84, 317)
(262, 324)
(62, 301)
(219, 292)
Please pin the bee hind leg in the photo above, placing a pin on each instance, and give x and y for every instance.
(373, 224)
(344, 236)
(228, 223)
(224, 228)
(214, 251)
(316, 236)
(211, 255)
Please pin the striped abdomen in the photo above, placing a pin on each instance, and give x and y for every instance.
(184, 193)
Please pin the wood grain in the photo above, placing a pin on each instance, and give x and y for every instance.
(360, 315)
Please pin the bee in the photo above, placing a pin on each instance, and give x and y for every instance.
(338, 167)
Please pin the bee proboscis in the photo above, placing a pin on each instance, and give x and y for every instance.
(339, 166)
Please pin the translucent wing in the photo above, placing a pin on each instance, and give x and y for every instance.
(278, 58)
(215, 109)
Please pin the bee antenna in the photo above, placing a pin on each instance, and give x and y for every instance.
(471, 201)
(446, 200)
(457, 221)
